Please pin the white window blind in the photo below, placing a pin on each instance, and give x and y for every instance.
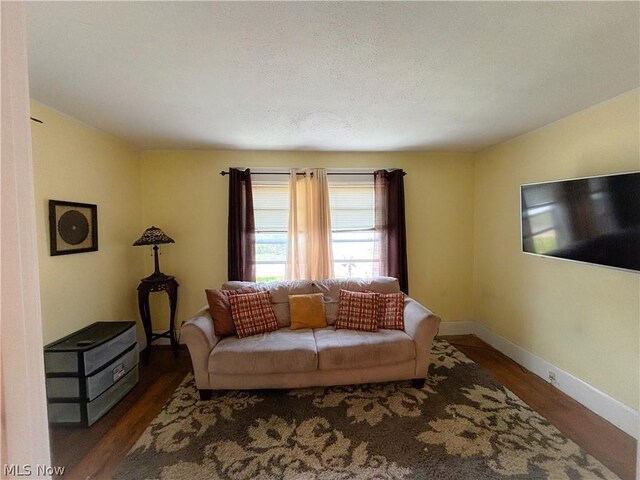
(352, 222)
(271, 207)
(271, 214)
(352, 207)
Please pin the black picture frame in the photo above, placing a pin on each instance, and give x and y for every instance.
(73, 227)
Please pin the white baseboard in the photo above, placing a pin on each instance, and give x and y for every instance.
(457, 328)
(612, 410)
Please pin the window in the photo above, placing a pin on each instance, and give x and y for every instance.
(352, 225)
(271, 211)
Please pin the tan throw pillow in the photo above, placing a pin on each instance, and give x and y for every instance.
(220, 309)
(391, 311)
(253, 314)
(357, 311)
(307, 311)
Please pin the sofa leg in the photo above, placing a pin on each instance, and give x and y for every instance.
(417, 383)
(205, 394)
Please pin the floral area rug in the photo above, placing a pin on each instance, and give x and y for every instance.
(461, 425)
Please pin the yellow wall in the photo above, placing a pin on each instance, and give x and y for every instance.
(74, 162)
(582, 318)
(465, 260)
(184, 195)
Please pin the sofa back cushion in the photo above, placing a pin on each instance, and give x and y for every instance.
(280, 292)
(331, 290)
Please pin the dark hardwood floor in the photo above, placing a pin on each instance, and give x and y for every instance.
(94, 453)
(596, 436)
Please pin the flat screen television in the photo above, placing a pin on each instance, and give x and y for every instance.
(592, 220)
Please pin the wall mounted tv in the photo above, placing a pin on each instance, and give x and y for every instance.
(593, 220)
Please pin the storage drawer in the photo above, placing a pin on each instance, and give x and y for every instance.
(63, 387)
(69, 387)
(89, 349)
(65, 413)
(88, 371)
(101, 405)
(61, 362)
(102, 354)
(73, 412)
(100, 381)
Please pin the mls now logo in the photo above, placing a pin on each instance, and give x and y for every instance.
(15, 470)
(26, 470)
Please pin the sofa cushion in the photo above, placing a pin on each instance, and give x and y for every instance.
(220, 309)
(391, 310)
(330, 288)
(307, 311)
(280, 351)
(280, 292)
(340, 349)
(358, 311)
(252, 313)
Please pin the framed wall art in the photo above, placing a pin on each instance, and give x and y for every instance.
(73, 227)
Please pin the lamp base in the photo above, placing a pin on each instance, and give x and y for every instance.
(157, 275)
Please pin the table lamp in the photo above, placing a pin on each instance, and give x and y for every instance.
(154, 236)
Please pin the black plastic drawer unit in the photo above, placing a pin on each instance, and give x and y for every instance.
(89, 371)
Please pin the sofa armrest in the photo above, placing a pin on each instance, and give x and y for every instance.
(421, 325)
(200, 337)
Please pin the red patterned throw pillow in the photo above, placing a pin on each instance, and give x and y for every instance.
(391, 311)
(357, 311)
(253, 314)
(220, 309)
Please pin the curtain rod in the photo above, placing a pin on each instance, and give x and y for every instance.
(225, 172)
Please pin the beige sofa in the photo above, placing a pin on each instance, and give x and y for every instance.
(289, 358)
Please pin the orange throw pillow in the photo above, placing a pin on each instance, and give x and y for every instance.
(307, 311)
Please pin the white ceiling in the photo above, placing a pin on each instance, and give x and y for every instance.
(440, 76)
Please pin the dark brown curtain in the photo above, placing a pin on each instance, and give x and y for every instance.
(391, 228)
(242, 230)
